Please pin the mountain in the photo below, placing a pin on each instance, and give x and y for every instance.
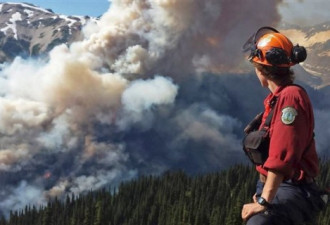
(27, 30)
(316, 39)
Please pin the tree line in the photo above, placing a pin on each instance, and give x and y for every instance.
(173, 198)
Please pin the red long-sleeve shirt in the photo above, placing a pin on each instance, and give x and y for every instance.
(292, 148)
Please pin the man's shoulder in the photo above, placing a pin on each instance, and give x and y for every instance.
(294, 95)
(293, 90)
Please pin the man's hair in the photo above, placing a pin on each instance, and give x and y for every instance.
(279, 75)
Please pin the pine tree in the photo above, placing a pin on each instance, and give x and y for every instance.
(46, 215)
(3, 220)
(170, 199)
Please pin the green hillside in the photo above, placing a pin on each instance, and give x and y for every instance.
(171, 199)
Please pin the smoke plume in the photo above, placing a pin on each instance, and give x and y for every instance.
(140, 94)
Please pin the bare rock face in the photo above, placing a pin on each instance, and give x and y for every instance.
(316, 39)
(27, 30)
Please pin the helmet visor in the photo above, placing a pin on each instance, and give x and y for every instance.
(250, 45)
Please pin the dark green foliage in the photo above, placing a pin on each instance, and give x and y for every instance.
(171, 199)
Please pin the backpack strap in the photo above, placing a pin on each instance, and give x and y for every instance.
(270, 115)
(269, 119)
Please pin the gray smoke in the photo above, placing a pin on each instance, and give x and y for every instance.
(141, 94)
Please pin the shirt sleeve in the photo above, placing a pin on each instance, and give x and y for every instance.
(288, 136)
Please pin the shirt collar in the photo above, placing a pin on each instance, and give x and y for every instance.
(276, 93)
(278, 90)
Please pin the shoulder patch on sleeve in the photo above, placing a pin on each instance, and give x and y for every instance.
(288, 115)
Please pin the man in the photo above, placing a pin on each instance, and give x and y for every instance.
(286, 191)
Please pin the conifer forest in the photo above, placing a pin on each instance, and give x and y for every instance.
(173, 198)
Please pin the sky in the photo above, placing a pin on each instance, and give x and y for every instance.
(305, 12)
(72, 7)
(301, 12)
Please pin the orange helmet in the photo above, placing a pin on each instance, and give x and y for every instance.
(270, 47)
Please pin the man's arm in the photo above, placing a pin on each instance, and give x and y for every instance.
(273, 181)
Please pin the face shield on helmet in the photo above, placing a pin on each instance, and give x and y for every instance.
(269, 47)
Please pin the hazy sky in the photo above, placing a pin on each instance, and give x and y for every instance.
(307, 12)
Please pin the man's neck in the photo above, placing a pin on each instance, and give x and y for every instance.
(272, 86)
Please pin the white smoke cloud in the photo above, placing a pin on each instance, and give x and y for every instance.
(50, 109)
(22, 195)
(139, 98)
(171, 36)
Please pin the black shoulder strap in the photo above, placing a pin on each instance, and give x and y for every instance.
(270, 115)
(269, 118)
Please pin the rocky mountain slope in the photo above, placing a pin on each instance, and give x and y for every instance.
(316, 39)
(27, 30)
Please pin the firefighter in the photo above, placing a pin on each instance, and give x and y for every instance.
(286, 191)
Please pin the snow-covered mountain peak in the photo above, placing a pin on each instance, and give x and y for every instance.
(28, 30)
